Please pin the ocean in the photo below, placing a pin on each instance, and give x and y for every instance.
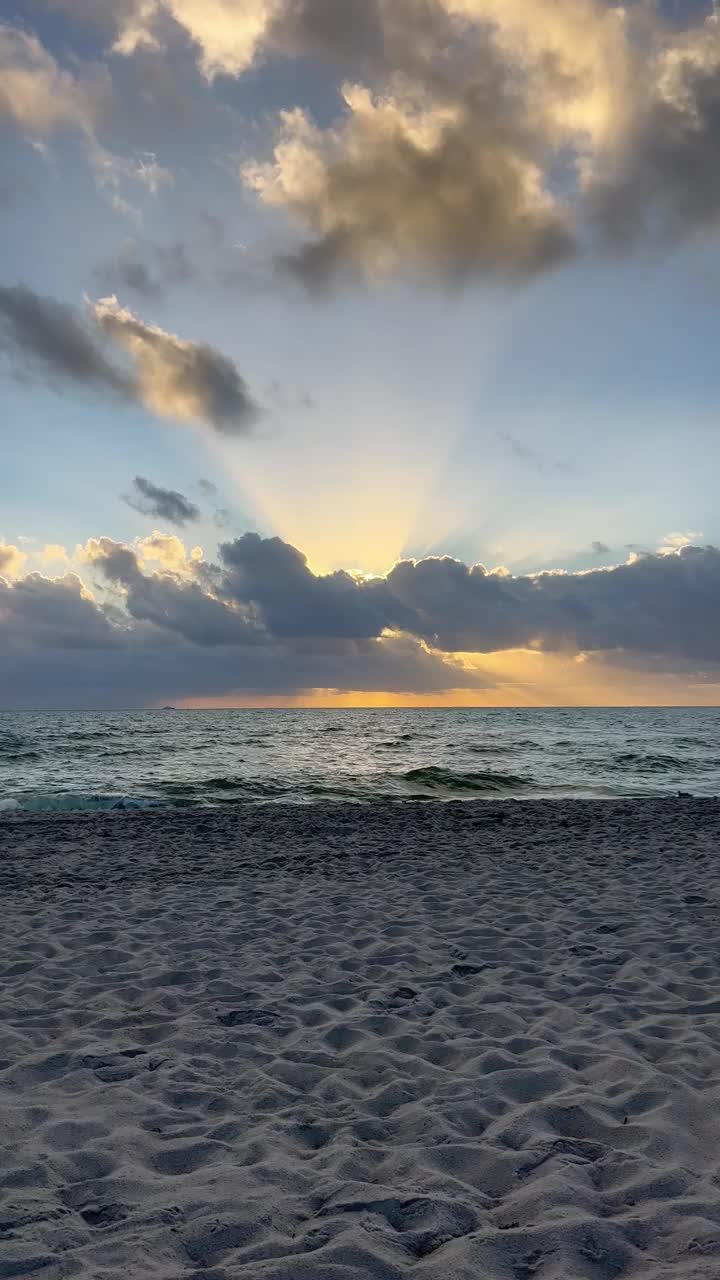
(63, 761)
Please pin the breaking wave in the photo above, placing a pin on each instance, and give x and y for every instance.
(71, 802)
(434, 778)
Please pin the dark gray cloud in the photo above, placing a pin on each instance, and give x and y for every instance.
(654, 604)
(179, 605)
(172, 377)
(274, 577)
(351, 32)
(665, 186)
(47, 613)
(268, 624)
(50, 338)
(167, 504)
(668, 604)
(157, 672)
(147, 268)
(600, 548)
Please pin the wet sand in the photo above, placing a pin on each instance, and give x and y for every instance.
(448, 1041)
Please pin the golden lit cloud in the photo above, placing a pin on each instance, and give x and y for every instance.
(169, 552)
(53, 553)
(12, 560)
(437, 183)
(576, 55)
(228, 34)
(175, 378)
(38, 94)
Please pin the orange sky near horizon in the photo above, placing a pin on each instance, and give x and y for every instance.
(522, 678)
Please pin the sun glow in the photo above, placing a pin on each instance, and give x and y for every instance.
(356, 478)
(516, 678)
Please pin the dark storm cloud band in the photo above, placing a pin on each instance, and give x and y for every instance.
(263, 592)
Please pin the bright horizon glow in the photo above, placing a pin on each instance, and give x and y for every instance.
(522, 679)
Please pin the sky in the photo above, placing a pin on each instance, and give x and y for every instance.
(359, 352)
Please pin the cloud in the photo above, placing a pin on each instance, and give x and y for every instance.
(175, 378)
(42, 98)
(171, 377)
(444, 160)
(263, 592)
(496, 136)
(227, 35)
(525, 453)
(665, 603)
(58, 613)
(274, 578)
(476, 137)
(674, 542)
(39, 95)
(654, 604)
(150, 500)
(600, 548)
(440, 185)
(171, 600)
(113, 172)
(53, 553)
(267, 623)
(170, 552)
(11, 560)
(51, 337)
(662, 184)
(148, 269)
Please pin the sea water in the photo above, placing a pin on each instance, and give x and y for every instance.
(138, 759)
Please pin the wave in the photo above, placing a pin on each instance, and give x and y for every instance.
(71, 802)
(86, 735)
(11, 742)
(498, 748)
(660, 763)
(436, 779)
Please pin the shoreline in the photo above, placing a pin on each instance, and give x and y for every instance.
(50, 845)
(342, 1042)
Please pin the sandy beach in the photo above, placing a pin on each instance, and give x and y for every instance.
(458, 1042)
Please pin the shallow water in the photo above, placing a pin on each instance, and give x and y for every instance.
(103, 760)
